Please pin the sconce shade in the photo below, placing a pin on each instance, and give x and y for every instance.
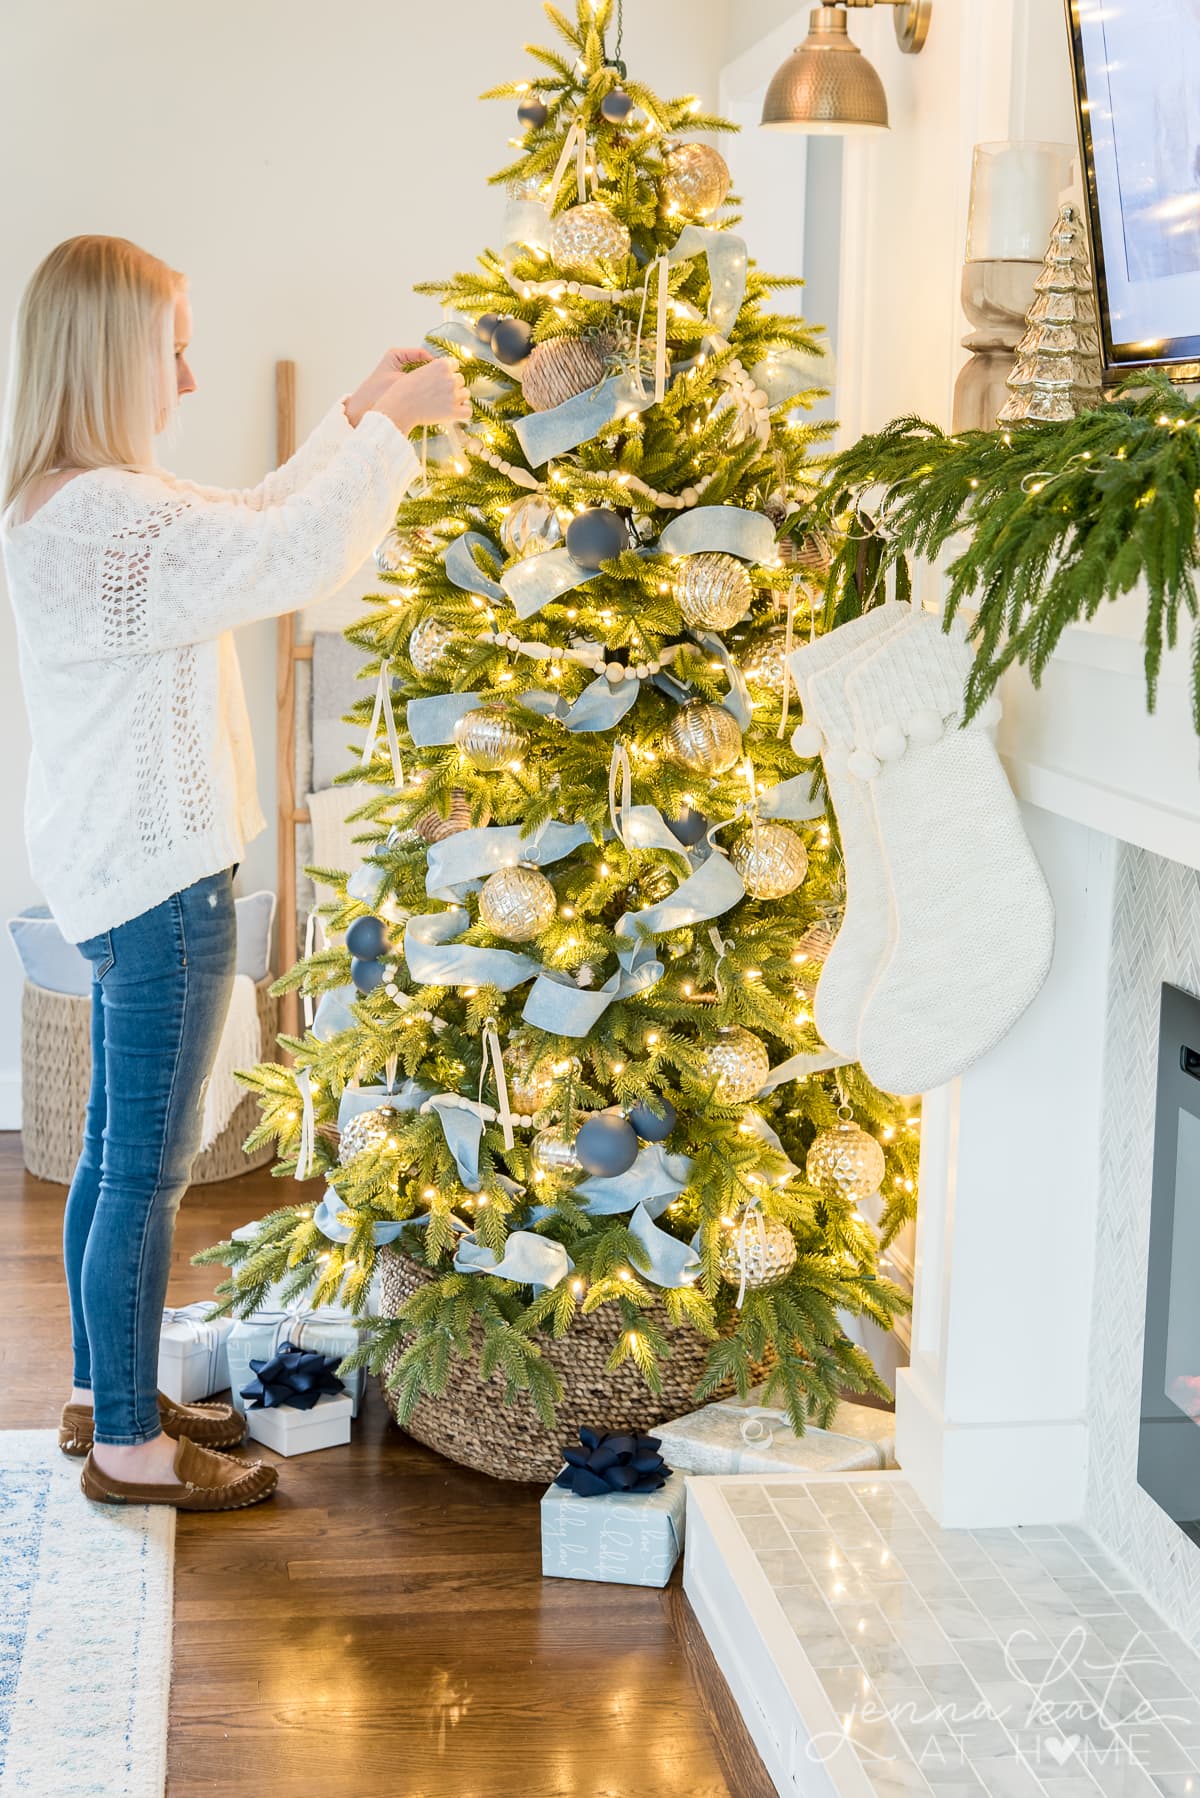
(826, 86)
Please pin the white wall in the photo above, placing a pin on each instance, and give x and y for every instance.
(305, 164)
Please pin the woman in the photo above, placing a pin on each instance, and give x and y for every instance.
(126, 583)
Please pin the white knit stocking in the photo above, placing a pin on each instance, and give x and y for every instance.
(854, 960)
(973, 919)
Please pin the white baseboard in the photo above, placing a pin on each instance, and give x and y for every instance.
(10, 1098)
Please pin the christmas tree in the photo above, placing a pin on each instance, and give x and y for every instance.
(1057, 372)
(598, 881)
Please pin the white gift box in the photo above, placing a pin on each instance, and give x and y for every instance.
(193, 1354)
(328, 1331)
(742, 1436)
(618, 1538)
(290, 1431)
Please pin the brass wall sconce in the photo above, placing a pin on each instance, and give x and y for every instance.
(827, 86)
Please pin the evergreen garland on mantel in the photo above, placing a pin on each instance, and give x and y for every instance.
(1060, 517)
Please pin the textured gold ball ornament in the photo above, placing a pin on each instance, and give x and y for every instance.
(845, 1162)
(530, 1087)
(738, 1062)
(432, 827)
(488, 737)
(428, 643)
(771, 860)
(697, 178)
(558, 370)
(713, 589)
(586, 234)
(765, 1249)
(533, 525)
(553, 1155)
(369, 1130)
(766, 664)
(705, 738)
(516, 903)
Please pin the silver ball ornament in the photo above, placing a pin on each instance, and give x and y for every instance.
(616, 106)
(845, 1162)
(428, 643)
(713, 590)
(766, 664)
(553, 1156)
(705, 738)
(369, 1130)
(533, 525)
(763, 1248)
(738, 1062)
(771, 860)
(516, 903)
(531, 1085)
(392, 552)
(489, 738)
(533, 113)
(697, 178)
(588, 234)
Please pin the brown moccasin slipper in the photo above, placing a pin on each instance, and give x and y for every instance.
(210, 1482)
(212, 1426)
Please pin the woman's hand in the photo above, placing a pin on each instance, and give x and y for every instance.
(391, 365)
(434, 394)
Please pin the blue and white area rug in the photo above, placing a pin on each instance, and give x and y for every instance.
(85, 1632)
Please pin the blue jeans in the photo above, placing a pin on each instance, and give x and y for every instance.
(159, 996)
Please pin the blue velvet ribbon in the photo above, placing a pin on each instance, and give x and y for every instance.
(726, 253)
(435, 959)
(528, 1260)
(601, 706)
(536, 581)
(668, 1262)
(654, 1180)
(461, 567)
(326, 1218)
(366, 882)
(471, 855)
(544, 435)
(715, 887)
(793, 799)
(456, 331)
(783, 374)
(333, 1013)
(410, 1095)
(799, 1067)
(737, 700)
(431, 721)
(733, 530)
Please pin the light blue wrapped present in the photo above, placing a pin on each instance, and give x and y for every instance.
(328, 1331)
(620, 1538)
(193, 1360)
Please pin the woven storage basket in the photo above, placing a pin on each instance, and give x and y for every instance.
(471, 1424)
(56, 1070)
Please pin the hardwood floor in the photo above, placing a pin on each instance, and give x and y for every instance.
(382, 1627)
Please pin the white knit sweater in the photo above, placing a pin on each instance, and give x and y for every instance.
(125, 589)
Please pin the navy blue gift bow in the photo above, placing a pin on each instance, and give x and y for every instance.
(606, 1463)
(292, 1376)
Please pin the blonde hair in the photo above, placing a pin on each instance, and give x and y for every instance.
(93, 367)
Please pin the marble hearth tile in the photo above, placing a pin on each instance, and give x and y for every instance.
(748, 1501)
(1008, 1779)
(1174, 1785)
(765, 1532)
(1120, 1780)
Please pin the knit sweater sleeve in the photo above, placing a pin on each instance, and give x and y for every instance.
(314, 454)
(176, 568)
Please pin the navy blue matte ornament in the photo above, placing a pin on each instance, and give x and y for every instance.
(485, 324)
(689, 827)
(533, 112)
(512, 341)
(367, 938)
(606, 1145)
(367, 975)
(612, 1463)
(653, 1122)
(616, 106)
(596, 536)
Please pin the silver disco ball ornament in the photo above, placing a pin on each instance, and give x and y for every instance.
(713, 590)
(845, 1162)
(553, 1156)
(533, 525)
(369, 1130)
(738, 1062)
(697, 178)
(488, 737)
(771, 860)
(705, 738)
(587, 234)
(516, 903)
(762, 1249)
(766, 664)
(428, 643)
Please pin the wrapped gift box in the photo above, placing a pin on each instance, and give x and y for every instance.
(621, 1538)
(290, 1431)
(193, 1355)
(328, 1331)
(742, 1436)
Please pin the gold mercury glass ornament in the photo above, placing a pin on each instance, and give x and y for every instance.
(489, 738)
(761, 1248)
(587, 234)
(846, 1161)
(705, 738)
(771, 860)
(369, 1130)
(428, 643)
(738, 1062)
(516, 903)
(530, 1085)
(697, 178)
(713, 590)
